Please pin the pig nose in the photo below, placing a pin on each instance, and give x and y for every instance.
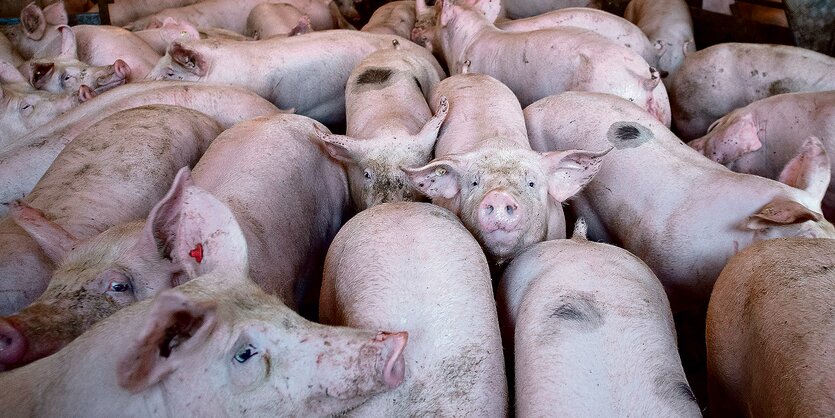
(122, 69)
(499, 210)
(395, 367)
(12, 343)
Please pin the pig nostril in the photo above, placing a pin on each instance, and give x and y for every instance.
(509, 209)
(489, 209)
(5, 342)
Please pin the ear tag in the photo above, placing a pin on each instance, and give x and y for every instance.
(440, 171)
(197, 253)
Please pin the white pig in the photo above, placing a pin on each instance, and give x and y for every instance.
(485, 172)
(413, 266)
(679, 212)
(668, 25)
(592, 334)
(389, 125)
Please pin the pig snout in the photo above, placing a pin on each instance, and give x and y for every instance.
(122, 69)
(115, 75)
(12, 344)
(499, 211)
(394, 365)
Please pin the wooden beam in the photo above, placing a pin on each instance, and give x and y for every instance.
(104, 12)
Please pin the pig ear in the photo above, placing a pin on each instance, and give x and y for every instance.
(33, 22)
(781, 212)
(429, 133)
(302, 27)
(194, 230)
(569, 171)
(341, 147)
(54, 240)
(9, 74)
(190, 59)
(56, 14)
(420, 7)
(175, 327)
(447, 11)
(39, 73)
(69, 47)
(736, 140)
(439, 178)
(810, 170)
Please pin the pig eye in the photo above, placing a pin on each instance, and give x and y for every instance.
(66, 77)
(475, 183)
(169, 72)
(119, 287)
(245, 354)
(367, 174)
(531, 184)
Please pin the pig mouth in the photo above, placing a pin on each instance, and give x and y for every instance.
(109, 82)
(501, 243)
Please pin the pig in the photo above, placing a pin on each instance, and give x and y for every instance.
(771, 136)
(217, 346)
(8, 53)
(518, 9)
(38, 28)
(125, 12)
(102, 45)
(284, 70)
(22, 165)
(171, 30)
(25, 108)
(268, 20)
(389, 126)
(287, 264)
(485, 172)
(769, 331)
(605, 24)
(594, 319)
(430, 278)
(668, 25)
(94, 184)
(64, 73)
(679, 212)
(716, 80)
(544, 62)
(394, 18)
(233, 15)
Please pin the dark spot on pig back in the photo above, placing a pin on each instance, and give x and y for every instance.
(374, 76)
(628, 134)
(779, 87)
(580, 311)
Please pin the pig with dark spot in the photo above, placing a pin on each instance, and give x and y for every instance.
(591, 333)
(413, 266)
(679, 212)
(770, 335)
(216, 346)
(93, 185)
(64, 73)
(485, 172)
(287, 239)
(308, 73)
(23, 108)
(389, 125)
(37, 30)
(668, 26)
(716, 80)
(773, 137)
(549, 61)
(22, 165)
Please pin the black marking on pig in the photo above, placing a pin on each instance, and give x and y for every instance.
(779, 87)
(579, 309)
(374, 76)
(628, 134)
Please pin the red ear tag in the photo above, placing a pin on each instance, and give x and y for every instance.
(197, 253)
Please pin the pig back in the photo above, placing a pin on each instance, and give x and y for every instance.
(769, 330)
(482, 112)
(414, 266)
(111, 174)
(591, 315)
(287, 195)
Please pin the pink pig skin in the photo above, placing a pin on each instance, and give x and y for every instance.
(413, 266)
(679, 212)
(668, 26)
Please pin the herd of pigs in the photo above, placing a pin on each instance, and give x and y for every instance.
(185, 192)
